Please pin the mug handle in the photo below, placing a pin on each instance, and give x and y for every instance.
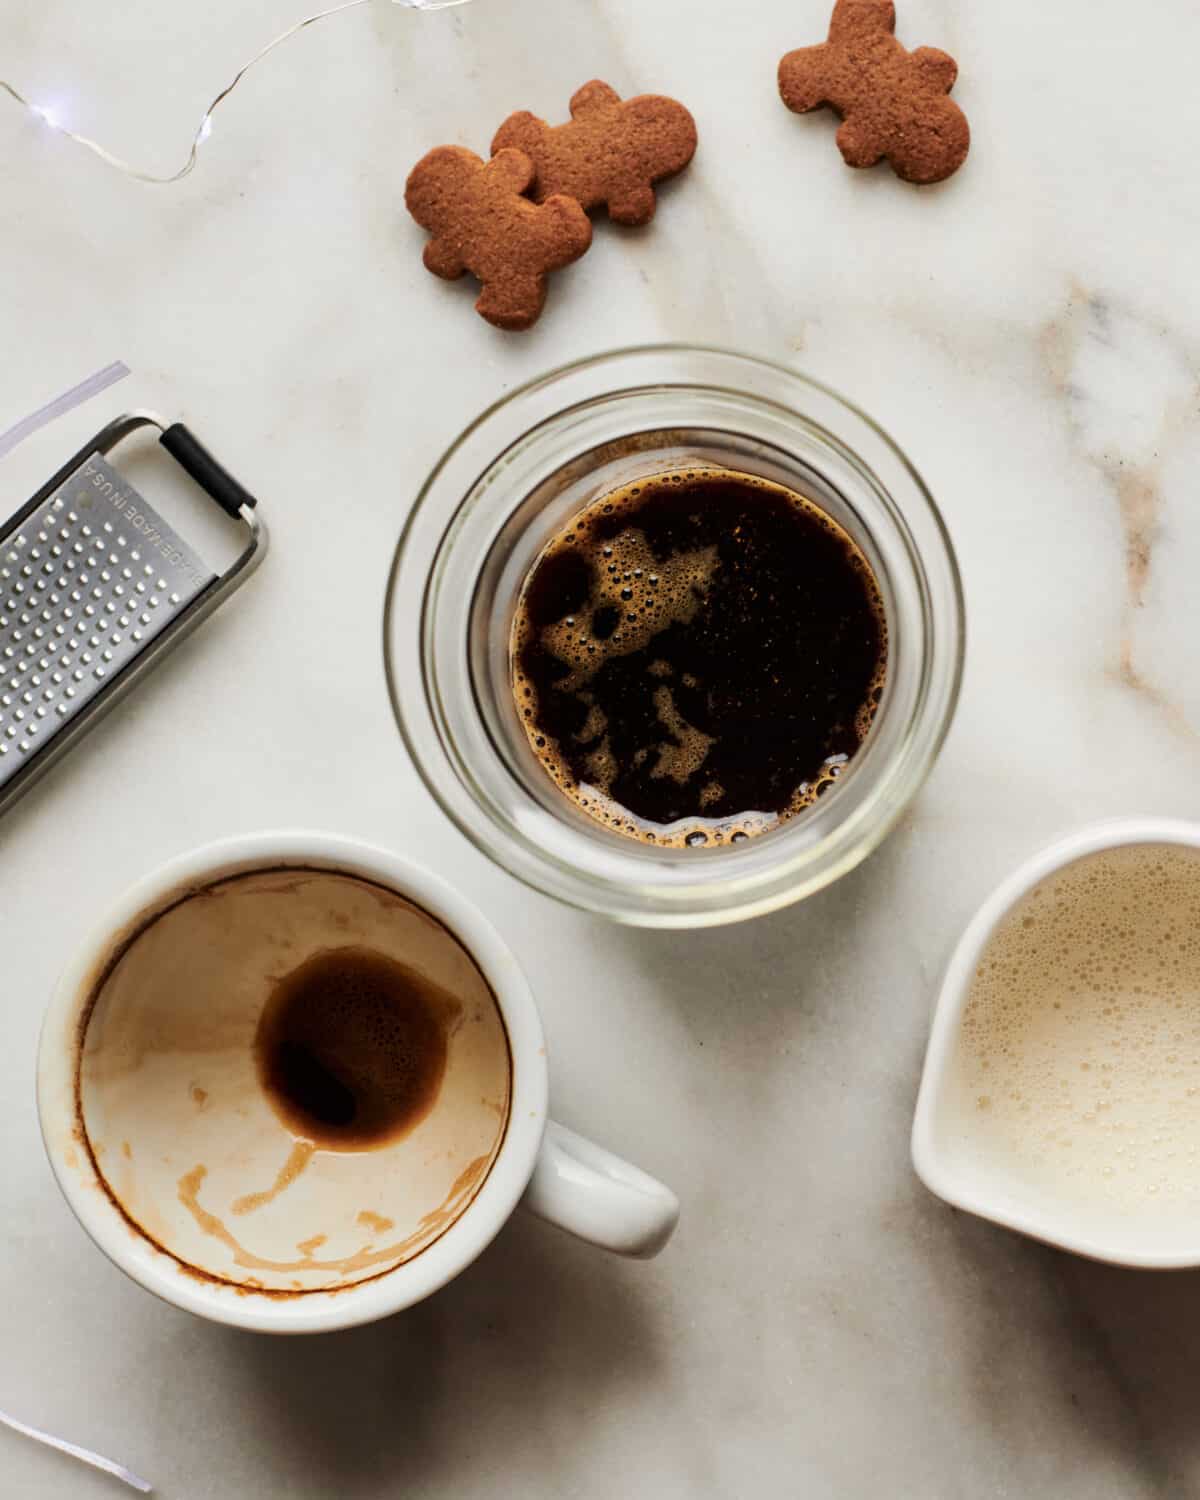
(598, 1197)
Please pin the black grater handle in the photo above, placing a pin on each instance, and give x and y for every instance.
(191, 454)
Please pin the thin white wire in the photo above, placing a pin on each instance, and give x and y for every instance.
(84, 1455)
(202, 130)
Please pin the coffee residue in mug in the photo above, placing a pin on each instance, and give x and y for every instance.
(430, 1226)
(351, 1048)
(298, 1158)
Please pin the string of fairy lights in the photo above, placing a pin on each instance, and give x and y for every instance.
(50, 116)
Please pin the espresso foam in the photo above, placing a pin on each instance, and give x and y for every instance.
(1077, 1067)
(698, 655)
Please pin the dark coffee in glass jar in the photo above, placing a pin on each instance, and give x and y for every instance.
(697, 656)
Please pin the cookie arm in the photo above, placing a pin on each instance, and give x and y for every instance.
(937, 68)
(592, 96)
(804, 78)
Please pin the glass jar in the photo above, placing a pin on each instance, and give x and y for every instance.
(510, 482)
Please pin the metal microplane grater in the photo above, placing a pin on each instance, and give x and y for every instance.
(95, 587)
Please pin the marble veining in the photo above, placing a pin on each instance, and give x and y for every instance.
(1132, 392)
(1030, 333)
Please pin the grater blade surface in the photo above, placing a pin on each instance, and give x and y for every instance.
(87, 581)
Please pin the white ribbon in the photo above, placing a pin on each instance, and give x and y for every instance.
(78, 394)
(84, 1455)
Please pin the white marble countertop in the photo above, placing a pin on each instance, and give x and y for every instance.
(1030, 332)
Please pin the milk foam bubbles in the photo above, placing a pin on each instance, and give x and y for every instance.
(1076, 1070)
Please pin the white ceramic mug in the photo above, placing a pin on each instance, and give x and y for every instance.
(943, 1154)
(540, 1165)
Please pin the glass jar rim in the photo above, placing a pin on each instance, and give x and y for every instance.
(699, 887)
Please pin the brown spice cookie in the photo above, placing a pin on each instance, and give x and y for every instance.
(611, 152)
(480, 223)
(893, 102)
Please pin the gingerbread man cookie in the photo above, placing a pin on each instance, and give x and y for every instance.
(893, 102)
(611, 152)
(480, 223)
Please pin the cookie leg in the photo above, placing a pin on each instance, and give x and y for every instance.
(443, 260)
(522, 130)
(934, 148)
(565, 231)
(937, 68)
(634, 206)
(514, 303)
(857, 144)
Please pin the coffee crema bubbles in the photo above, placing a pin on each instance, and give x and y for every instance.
(697, 656)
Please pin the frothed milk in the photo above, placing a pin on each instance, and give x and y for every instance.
(1076, 1073)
